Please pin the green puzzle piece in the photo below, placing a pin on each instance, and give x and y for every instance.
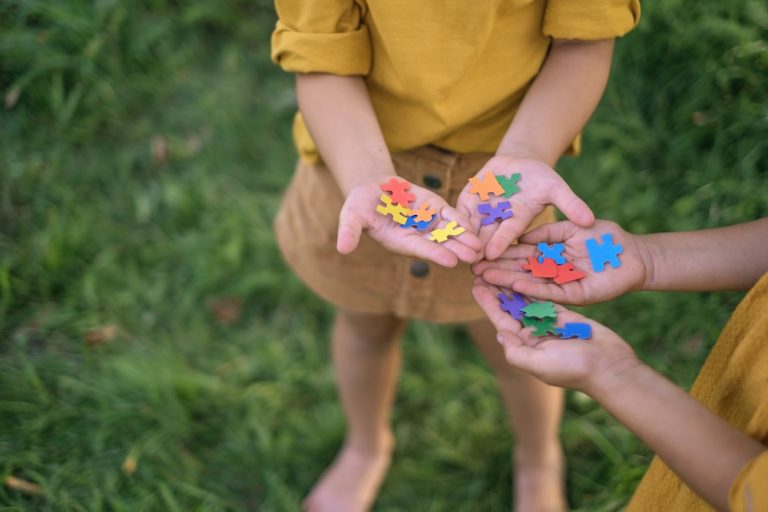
(542, 326)
(509, 184)
(540, 310)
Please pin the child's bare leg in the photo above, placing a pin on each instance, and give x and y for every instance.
(366, 357)
(534, 410)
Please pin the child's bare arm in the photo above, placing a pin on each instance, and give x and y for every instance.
(704, 450)
(343, 125)
(560, 101)
(555, 109)
(730, 258)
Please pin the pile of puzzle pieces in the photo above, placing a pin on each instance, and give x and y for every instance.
(542, 316)
(500, 186)
(551, 263)
(398, 205)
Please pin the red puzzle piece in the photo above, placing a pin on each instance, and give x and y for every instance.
(398, 189)
(548, 268)
(486, 185)
(567, 273)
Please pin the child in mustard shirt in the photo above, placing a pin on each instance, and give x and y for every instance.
(435, 92)
(711, 447)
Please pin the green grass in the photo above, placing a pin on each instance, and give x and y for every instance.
(143, 149)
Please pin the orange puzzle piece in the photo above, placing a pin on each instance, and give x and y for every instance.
(441, 235)
(567, 273)
(399, 188)
(486, 185)
(398, 212)
(548, 268)
(423, 213)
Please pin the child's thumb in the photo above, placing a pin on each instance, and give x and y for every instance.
(350, 229)
(573, 206)
(517, 353)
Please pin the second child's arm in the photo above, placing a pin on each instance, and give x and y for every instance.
(729, 258)
(700, 447)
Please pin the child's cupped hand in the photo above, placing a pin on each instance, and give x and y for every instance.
(635, 269)
(539, 185)
(359, 214)
(571, 363)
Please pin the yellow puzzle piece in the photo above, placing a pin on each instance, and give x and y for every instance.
(398, 212)
(441, 235)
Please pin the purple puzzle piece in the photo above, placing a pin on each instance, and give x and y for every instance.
(514, 305)
(579, 330)
(499, 212)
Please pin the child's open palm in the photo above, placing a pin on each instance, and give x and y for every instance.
(596, 287)
(359, 213)
(568, 363)
(539, 186)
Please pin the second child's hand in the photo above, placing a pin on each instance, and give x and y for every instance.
(635, 271)
(359, 214)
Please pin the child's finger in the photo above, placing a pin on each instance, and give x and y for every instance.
(350, 228)
(508, 277)
(550, 233)
(506, 264)
(572, 205)
(519, 251)
(509, 231)
(462, 251)
(419, 247)
(487, 297)
(531, 288)
(517, 352)
(469, 237)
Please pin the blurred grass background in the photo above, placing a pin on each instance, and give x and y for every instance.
(156, 354)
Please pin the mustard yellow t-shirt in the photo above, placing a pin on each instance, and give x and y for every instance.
(733, 383)
(450, 72)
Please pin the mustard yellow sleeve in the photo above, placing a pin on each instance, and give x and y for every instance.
(590, 19)
(749, 492)
(321, 36)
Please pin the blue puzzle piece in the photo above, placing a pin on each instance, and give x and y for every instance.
(499, 212)
(514, 305)
(552, 252)
(575, 330)
(607, 252)
(421, 226)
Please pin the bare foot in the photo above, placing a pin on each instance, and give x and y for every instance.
(351, 483)
(540, 481)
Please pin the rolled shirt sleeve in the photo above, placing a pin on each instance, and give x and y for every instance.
(321, 36)
(749, 492)
(590, 20)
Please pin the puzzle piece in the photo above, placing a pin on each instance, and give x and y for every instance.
(398, 189)
(514, 305)
(546, 269)
(509, 184)
(499, 212)
(553, 251)
(440, 235)
(487, 185)
(567, 273)
(424, 213)
(411, 222)
(580, 330)
(399, 213)
(540, 310)
(542, 326)
(607, 252)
